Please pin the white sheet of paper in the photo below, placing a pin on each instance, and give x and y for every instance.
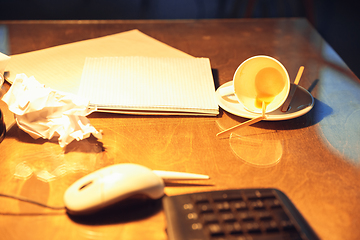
(60, 67)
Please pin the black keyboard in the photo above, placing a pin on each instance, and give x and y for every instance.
(241, 214)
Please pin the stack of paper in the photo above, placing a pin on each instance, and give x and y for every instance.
(148, 85)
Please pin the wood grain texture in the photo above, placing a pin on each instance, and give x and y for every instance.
(301, 156)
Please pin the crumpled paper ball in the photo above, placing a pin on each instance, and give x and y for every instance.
(43, 112)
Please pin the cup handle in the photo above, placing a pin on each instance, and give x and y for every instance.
(225, 91)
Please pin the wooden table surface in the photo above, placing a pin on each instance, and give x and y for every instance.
(314, 158)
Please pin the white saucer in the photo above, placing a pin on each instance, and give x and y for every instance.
(301, 103)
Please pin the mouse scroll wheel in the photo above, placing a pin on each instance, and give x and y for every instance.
(85, 185)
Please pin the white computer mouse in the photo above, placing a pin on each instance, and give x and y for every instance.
(110, 185)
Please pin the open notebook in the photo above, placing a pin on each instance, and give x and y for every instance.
(149, 85)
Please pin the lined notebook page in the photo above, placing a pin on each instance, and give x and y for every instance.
(149, 85)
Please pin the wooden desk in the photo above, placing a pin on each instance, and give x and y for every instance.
(314, 158)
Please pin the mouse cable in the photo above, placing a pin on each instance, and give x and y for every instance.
(31, 201)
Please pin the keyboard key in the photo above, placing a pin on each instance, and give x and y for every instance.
(188, 206)
(196, 226)
(252, 227)
(215, 229)
(200, 198)
(272, 203)
(192, 216)
(205, 207)
(240, 238)
(221, 196)
(219, 238)
(270, 226)
(209, 218)
(260, 194)
(239, 205)
(228, 217)
(264, 215)
(223, 206)
(257, 204)
(234, 228)
(246, 216)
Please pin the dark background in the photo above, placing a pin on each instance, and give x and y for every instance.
(338, 21)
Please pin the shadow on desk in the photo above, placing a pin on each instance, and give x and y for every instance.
(313, 117)
(87, 145)
(319, 111)
(122, 212)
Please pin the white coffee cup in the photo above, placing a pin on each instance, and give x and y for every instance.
(260, 79)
